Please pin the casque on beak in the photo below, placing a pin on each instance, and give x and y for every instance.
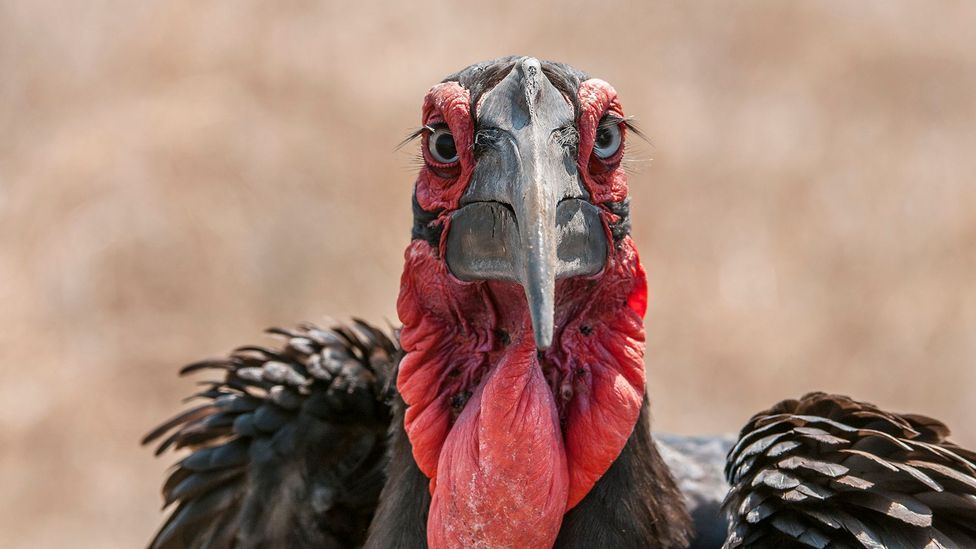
(526, 216)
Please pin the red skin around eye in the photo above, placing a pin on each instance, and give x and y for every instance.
(451, 104)
(606, 181)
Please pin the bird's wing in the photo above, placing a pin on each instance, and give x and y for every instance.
(827, 471)
(288, 449)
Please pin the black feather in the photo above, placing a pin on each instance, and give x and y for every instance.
(280, 457)
(825, 469)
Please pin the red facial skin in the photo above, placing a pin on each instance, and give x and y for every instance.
(447, 103)
(509, 439)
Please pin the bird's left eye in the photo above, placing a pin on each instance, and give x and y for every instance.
(607, 142)
(441, 146)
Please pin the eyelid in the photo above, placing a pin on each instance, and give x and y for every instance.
(611, 119)
(434, 126)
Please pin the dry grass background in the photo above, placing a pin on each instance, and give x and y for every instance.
(175, 176)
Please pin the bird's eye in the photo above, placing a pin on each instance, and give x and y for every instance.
(441, 146)
(607, 141)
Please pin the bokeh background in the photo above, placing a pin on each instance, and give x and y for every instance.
(176, 176)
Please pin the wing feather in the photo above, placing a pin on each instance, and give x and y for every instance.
(828, 471)
(288, 449)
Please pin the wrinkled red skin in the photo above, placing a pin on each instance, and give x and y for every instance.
(447, 103)
(511, 440)
(604, 179)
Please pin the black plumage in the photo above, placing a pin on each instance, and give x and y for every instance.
(288, 450)
(294, 446)
(828, 471)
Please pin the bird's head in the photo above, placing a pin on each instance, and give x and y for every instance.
(522, 301)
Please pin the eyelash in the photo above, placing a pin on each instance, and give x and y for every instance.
(612, 120)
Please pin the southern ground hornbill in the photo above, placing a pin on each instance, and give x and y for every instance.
(509, 410)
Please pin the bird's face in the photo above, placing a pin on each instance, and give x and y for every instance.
(520, 181)
(522, 301)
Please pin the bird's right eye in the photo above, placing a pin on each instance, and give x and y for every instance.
(607, 141)
(441, 146)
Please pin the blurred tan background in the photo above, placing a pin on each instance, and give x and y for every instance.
(175, 176)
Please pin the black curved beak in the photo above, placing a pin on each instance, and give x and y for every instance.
(526, 216)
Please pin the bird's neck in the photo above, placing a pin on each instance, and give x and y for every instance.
(512, 438)
(636, 503)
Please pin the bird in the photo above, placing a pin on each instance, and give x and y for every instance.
(509, 409)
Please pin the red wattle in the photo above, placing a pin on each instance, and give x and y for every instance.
(502, 478)
(511, 439)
